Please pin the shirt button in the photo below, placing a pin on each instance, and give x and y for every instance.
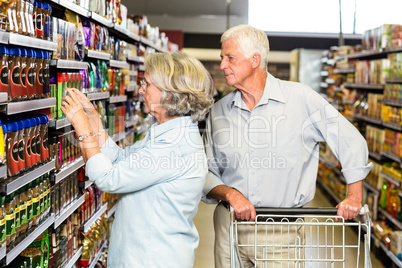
(253, 172)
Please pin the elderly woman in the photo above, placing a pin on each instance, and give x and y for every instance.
(160, 178)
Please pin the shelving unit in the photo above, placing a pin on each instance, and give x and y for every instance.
(69, 64)
(59, 219)
(68, 169)
(384, 156)
(13, 253)
(87, 225)
(111, 211)
(10, 108)
(12, 184)
(95, 260)
(74, 258)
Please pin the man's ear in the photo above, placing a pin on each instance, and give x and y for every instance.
(256, 60)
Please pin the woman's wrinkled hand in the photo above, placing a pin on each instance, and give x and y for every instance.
(72, 107)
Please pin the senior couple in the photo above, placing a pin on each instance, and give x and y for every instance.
(153, 224)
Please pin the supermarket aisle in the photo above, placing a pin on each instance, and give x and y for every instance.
(203, 222)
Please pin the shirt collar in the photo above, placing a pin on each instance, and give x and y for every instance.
(272, 91)
(182, 121)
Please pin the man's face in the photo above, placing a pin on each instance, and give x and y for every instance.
(236, 67)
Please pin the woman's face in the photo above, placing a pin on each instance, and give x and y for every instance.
(151, 97)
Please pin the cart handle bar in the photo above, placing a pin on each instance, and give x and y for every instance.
(306, 210)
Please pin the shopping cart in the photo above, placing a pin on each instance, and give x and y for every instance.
(302, 237)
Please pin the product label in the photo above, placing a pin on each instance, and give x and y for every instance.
(23, 214)
(4, 79)
(10, 224)
(33, 146)
(14, 152)
(21, 152)
(46, 76)
(3, 234)
(36, 206)
(39, 25)
(17, 216)
(44, 146)
(38, 145)
(30, 209)
(16, 75)
(23, 76)
(31, 76)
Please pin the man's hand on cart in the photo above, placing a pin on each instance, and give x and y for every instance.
(349, 208)
(243, 209)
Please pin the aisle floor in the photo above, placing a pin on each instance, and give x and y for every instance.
(203, 221)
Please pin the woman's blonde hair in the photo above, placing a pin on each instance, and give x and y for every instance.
(185, 83)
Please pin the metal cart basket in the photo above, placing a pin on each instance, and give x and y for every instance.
(302, 237)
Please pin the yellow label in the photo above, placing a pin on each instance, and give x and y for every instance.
(3, 221)
(10, 216)
(17, 209)
(29, 202)
(24, 206)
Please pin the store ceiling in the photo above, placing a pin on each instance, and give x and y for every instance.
(191, 16)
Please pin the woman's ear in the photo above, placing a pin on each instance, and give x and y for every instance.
(256, 59)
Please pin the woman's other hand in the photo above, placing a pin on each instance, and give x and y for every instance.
(72, 107)
(85, 102)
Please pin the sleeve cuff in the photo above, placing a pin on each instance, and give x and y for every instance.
(356, 174)
(211, 181)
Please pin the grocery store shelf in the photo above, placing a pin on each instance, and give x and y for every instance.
(391, 179)
(132, 122)
(324, 73)
(391, 156)
(369, 119)
(27, 41)
(392, 126)
(135, 58)
(396, 222)
(375, 156)
(371, 188)
(391, 255)
(118, 136)
(97, 256)
(73, 7)
(74, 258)
(141, 68)
(26, 106)
(365, 86)
(3, 97)
(97, 55)
(98, 95)
(393, 80)
(68, 169)
(13, 184)
(116, 99)
(60, 123)
(3, 171)
(120, 29)
(130, 88)
(88, 183)
(68, 211)
(111, 211)
(344, 71)
(12, 254)
(87, 225)
(4, 36)
(323, 85)
(134, 36)
(69, 64)
(392, 103)
(329, 191)
(98, 18)
(3, 251)
(118, 64)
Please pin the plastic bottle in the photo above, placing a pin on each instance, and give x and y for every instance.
(39, 20)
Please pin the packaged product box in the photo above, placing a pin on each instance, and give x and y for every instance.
(396, 243)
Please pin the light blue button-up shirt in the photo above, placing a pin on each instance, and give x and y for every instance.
(159, 181)
(271, 153)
